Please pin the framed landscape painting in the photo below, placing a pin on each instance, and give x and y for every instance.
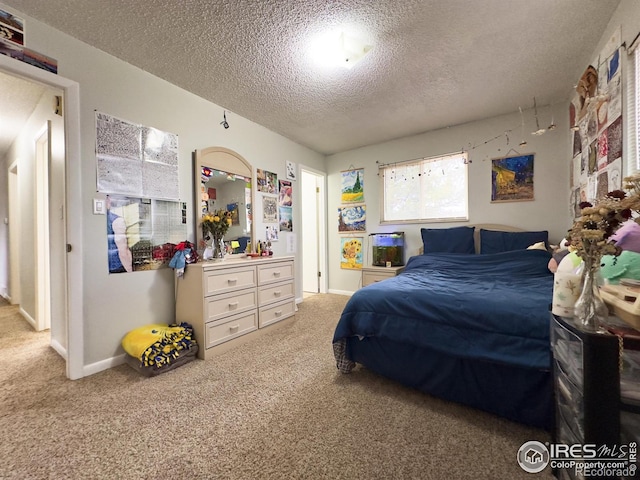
(352, 186)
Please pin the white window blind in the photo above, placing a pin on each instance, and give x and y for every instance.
(633, 106)
(426, 190)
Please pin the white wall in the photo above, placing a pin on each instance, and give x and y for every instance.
(548, 211)
(114, 304)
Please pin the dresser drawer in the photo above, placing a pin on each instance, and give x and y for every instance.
(276, 312)
(275, 272)
(235, 326)
(226, 280)
(220, 306)
(275, 292)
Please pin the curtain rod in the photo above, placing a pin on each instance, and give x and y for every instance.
(633, 44)
(381, 165)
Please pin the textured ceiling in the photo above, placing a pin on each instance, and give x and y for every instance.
(434, 63)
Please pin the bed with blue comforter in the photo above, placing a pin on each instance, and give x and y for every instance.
(469, 328)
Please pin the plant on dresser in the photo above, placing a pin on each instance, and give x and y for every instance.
(226, 300)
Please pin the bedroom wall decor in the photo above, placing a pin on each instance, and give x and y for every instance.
(135, 160)
(595, 116)
(512, 179)
(352, 218)
(352, 185)
(285, 204)
(269, 209)
(351, 253)
(152, 228)
(267, 181)
(291, 170)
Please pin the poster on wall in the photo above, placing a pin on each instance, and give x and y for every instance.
(351, 253)
(512, 179)
(272, 234)
(269, 209)
(286, 219)
(11, 28)
(352, 186)
(291, 170)
(135, 160)
(595, 116)
(352, 219)
(285, 193)
(285, 203)
(267, 181)
(142, 233)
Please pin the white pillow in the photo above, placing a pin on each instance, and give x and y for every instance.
(537, 246)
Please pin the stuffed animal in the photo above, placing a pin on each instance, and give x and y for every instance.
(625, 265)
(558, 255)
(627, 237)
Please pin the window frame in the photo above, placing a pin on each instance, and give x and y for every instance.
(454, 157)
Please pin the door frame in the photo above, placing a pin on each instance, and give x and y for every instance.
(72, 210)
(321, 213)
(43, 266)
(15, 218)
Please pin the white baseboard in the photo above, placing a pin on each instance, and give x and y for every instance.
(341, 292)
(30, 320)
(57, 346)
(103, 365)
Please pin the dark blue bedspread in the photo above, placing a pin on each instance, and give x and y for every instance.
(487, 307)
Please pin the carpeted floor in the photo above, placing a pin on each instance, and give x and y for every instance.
(272, 408)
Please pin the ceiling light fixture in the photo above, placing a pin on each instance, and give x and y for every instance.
(339, 49)
(224, 122)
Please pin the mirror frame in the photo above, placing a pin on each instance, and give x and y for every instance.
(225, 160)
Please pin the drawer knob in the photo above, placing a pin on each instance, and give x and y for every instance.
(233, 305)
(277, 293)
(231, 281)
(276, 274)
(278, 313)
(234, 329)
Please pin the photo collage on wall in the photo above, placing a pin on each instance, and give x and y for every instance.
(277, 201)
(595, 116)
(137, 168)
(352, 218)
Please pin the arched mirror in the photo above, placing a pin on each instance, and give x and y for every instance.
(223, 182)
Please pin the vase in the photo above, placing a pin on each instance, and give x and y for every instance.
(217, 247)
(590, 310)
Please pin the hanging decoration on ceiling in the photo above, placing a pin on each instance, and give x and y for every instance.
(539, 131)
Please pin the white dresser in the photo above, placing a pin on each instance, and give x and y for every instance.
(225, 300)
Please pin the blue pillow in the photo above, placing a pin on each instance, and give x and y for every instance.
(492, 241)
(448, 240)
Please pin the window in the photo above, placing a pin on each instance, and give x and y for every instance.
(634, 115)
(425, 190)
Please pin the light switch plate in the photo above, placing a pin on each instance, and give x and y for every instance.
(98, 206)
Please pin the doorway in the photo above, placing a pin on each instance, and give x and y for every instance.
(314, 245)
(63, 214)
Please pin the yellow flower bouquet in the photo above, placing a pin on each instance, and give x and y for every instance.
(215, 224)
